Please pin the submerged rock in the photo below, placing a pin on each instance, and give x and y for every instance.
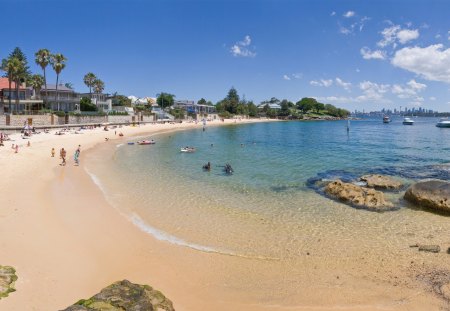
(381, 182)
(430, 248)
(358, 196)
(7, 278)
(433, 193)
(125, 296)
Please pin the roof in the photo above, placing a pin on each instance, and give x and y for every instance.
(61, 88)
(4, 84)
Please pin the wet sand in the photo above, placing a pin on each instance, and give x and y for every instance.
(66, 243)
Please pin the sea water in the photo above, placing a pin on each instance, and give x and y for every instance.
(270, 208)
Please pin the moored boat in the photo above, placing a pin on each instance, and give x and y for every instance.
(408, 121)
(386, 119)
(146, 142)
(443, 123)
(187, 149)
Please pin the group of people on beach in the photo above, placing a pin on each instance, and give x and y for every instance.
(63, 154)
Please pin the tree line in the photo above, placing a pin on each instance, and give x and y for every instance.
(232, 105)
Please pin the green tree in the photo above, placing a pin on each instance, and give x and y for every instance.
(58, 62)
(306, 104)
(42, 59)
(284, 111)
(202, 101)
(252, 109)
(36, 82)
(11, 66)
(121, 100)
(87, 105)
(165, 100)
(88, 80)
(99, 86)
(21, 72)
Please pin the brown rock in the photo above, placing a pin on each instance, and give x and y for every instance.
(432, 193)
(358, 196)
(430, 248)
(381, 182)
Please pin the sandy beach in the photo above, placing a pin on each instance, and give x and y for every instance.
(66, 243)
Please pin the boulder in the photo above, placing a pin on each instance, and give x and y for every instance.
(432, 193)
(124, 295)
(7, 278)
(430, 248)
(381, 182)
(358, 196)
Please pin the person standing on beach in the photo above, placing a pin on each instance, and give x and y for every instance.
(77, 155)
(17, 149)
(53, 152)
(63, 157)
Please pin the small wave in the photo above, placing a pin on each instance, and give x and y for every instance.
(96, 181)
(163, 236)
(119, 145)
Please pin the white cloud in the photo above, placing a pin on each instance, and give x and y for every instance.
(416, 85)
(368, 54)
(448, 34)
(373, 91)
(333, 13)
(431, 63)
(242, 48)
(349, 14)
(395, 33)
(297, 75)
(322, 82)
(406, 35)
(345, 85)
(345, 31)
(432, 98)
(409, 91)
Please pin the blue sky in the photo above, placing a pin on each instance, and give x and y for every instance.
(353, 54)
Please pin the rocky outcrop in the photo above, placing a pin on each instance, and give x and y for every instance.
(429, 248)
(433, 193)
(7, 278)
(125, 296)
(358, 196)
(381, 182)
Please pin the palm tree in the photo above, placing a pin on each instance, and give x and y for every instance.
(99, 86)
(58, 62)
(8, 66)
(89, 79)
(42, 59)
(36, 82)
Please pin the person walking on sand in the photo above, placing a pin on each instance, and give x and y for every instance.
(63, 157)
(28, 144)
(76, 156)
(17, 149)
(53, 152)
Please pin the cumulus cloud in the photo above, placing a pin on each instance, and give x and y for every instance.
(373, 91)
(431, 63)
(406, 35)
(286, 77)
(322, 82)
(395, 33)
(432, 98)
(345, 85)
(243, 48)
(333, 13)
(349, 14)
(368, 54)
(448, 34)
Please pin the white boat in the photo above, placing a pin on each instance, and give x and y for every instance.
(386, 119)
(187, 149)
(146, 142)
(408, 121)
(443, 123)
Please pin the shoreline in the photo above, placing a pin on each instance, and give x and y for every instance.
(65, 249)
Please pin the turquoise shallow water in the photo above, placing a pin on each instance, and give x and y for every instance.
(268, 208)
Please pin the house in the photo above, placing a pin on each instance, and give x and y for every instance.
(271, 106)
(191, 107)
(68, 99)
(102, 101)
(21, 102)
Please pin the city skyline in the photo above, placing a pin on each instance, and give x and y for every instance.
(352, 54)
